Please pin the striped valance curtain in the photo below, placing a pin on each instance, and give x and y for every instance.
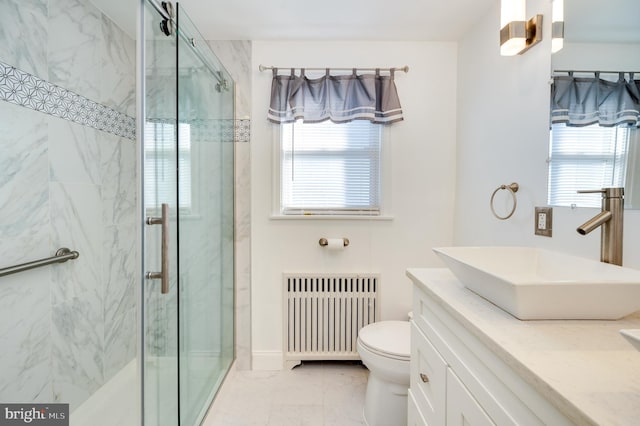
(582, 101)
(339, 98)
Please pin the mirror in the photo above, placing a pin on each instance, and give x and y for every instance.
(603, 36)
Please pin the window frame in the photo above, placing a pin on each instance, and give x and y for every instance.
(385, 196)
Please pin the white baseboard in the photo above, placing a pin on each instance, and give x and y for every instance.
(267, 360)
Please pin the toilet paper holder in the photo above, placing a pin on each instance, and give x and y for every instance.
(325, 242)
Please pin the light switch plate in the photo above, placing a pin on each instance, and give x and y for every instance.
(543, 221)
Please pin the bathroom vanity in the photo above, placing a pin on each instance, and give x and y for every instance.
(473, 363)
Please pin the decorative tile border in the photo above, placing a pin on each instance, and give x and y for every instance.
(29, 91)
(24, 89)
(242, 130)
(225, 130)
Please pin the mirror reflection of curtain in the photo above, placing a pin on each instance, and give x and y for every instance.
(581, 101)
(595, 122)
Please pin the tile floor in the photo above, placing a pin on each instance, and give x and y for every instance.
(312, 394)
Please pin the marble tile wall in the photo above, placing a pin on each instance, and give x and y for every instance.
(66, 329)
(25, 343)
(236, 56)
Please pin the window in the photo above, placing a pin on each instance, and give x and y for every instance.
(160, 160)
(590, 157)
(328, 168)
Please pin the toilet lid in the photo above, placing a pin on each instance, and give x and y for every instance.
(388, 338)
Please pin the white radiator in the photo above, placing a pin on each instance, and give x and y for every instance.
(324, 313)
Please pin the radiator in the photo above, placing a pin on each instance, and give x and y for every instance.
(324, 313)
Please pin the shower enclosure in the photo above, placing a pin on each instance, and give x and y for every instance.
(188, 168)
(109, 128)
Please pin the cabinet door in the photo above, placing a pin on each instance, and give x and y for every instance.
(462, 408)
(428, 378)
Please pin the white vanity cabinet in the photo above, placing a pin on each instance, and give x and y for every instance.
(457, 380)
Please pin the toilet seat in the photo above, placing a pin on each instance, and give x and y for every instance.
(389, 339)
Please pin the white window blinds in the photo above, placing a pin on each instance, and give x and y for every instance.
(329, 168)
(590, 157)
(160, 164)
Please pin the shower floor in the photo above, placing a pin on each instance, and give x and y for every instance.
(115, 403)
(313, 394)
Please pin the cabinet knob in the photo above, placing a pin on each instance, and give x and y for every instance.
(424, 378)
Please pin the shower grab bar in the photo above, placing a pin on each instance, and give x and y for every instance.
(62, 255)
(163, 275)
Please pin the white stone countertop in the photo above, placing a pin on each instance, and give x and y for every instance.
(585, 368)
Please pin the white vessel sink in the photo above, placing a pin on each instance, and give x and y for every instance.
(633, 336)
(532, 283)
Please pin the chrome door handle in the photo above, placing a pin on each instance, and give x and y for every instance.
(163, 275)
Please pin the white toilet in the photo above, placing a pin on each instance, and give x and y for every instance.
(385, 348)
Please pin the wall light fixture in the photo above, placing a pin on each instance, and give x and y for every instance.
(557, 25)
(517, 35)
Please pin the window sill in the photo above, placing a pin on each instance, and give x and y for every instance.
(330, 217)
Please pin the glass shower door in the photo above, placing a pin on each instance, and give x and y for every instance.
(205, 221)
(160, 210)
(188, 339)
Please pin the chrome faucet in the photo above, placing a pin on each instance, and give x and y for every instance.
(610, 219)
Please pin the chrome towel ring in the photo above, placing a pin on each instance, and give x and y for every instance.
(513, 188)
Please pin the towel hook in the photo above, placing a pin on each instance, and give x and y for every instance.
(512, 188)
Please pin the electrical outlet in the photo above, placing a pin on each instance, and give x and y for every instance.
(542, 221)
(543, 225)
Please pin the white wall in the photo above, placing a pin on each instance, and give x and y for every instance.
(502, 116)
(422, 171)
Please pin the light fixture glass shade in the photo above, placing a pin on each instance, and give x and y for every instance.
(557, 22)
(512, 11)
(557, 11)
